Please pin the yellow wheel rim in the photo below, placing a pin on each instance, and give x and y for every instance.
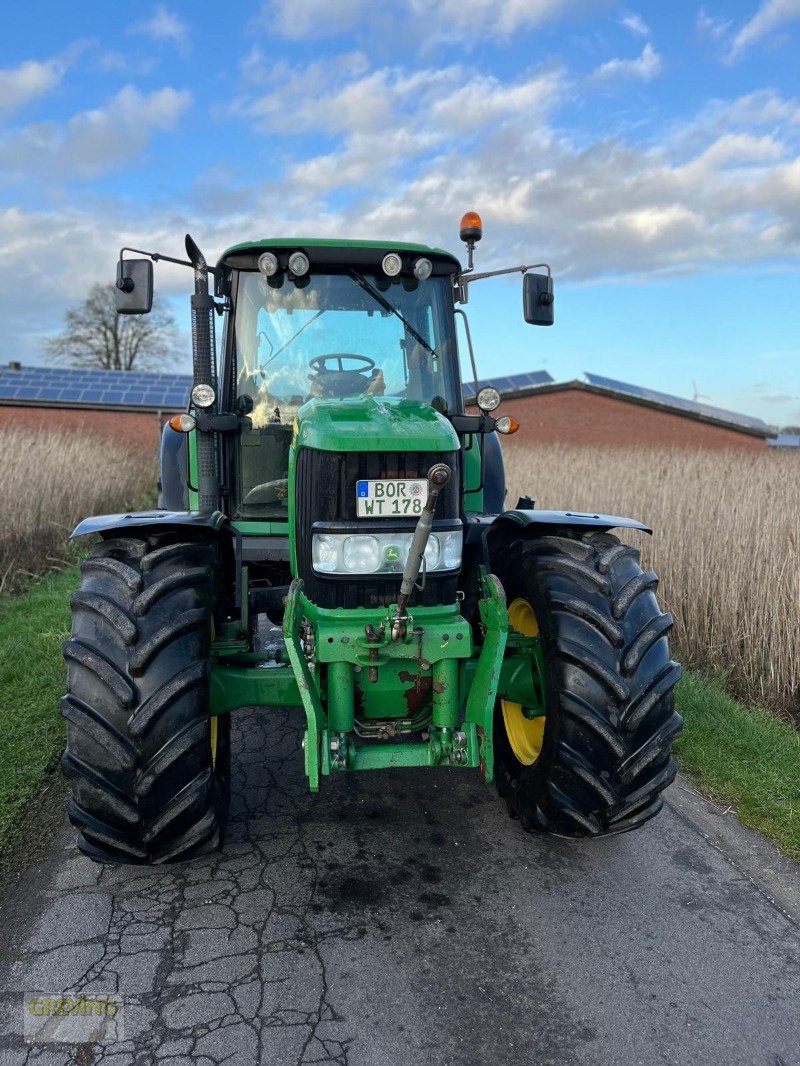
(525, 735)
(522, 619)
(214, 724)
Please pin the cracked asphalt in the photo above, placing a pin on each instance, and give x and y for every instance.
(402, 917)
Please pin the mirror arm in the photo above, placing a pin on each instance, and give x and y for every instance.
(465, 278)
(157, 256)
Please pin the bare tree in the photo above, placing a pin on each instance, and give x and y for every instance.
(96, 336)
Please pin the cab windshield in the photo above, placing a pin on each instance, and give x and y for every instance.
(331, 336)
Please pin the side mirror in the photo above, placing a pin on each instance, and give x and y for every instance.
(134, 294)
(537, 299)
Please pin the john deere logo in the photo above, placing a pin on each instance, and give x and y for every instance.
(391, 554)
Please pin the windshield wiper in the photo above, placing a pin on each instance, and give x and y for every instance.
(294, 336)
(387, 306)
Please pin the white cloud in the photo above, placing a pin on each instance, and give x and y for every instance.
(344, 95)
(126, 64)
(484, 99)
(772, 15)
(465, 20)
(646, 67)
(163, 26)
(712, 26)
(495, 18)
(723, 188)
(389, 119)
(92, 142)
(30, 80)
(636, 24)
(314, 18)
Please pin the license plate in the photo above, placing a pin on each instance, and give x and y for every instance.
(398, 498)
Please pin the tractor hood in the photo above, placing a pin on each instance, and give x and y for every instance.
(373, 424)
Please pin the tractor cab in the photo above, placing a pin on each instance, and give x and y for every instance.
(324, 325)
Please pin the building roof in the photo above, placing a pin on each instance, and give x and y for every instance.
(41, 386)
(691, 407)
(785, 440)
(633, 394)
(507, 386)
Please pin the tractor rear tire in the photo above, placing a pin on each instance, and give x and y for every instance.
(604, 755)
(149, 772)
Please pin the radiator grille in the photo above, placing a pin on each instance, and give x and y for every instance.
(326, 492)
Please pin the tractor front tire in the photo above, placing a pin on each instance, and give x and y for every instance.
(149, 769)
(603, 756)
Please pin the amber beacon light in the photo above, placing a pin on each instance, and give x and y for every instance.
(471, 228)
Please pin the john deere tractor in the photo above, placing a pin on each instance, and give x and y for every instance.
(332, 535)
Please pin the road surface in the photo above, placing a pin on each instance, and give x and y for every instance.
(403, 918)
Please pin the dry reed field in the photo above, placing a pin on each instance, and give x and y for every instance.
(726, 528)
(49, 480)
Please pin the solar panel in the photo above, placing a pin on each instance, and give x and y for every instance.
(509, 384)
(83, 385)
(690, 406)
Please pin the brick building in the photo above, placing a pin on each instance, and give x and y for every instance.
(601, 411)
(134, 405)
(114, 404)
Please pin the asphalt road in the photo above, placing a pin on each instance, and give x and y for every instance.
(403, 918)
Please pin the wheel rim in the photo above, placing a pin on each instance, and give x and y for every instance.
(525, 735)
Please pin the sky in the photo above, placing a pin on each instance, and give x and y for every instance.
(648, 152)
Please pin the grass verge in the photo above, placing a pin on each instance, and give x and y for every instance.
(32, 676)
(742, 756)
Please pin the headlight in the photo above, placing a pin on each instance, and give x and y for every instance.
(325, 553)
(384, 553)
(361, 555)
(298, 264)
(392, 264)
(451, 551)
(431, 552)
(423, 268)
(268, 264)
(203, 396)
(488, 399)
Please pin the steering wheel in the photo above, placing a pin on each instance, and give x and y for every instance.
(319, 362)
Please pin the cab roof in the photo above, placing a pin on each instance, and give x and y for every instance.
(331, 252)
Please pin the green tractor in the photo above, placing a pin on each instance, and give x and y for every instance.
(331, 536)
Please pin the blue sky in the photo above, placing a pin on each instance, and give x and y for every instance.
(648, 151)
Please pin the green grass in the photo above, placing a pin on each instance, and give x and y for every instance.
(742, 756)
(32, 680)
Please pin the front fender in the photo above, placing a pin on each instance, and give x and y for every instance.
(107, 523)
(509, 525)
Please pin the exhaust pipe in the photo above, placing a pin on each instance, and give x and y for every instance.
(204, 373)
